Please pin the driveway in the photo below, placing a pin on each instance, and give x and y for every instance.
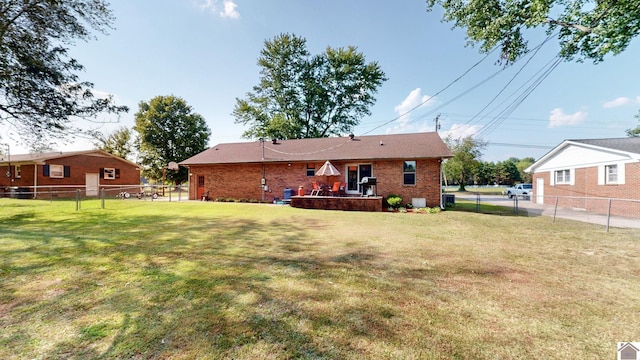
(534, 209)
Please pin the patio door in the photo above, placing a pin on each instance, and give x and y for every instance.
(92, 183)
(200, 187)
(355, 173)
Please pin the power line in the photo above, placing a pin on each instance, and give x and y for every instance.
(502, 115)
(526, 146)
(513, 78)
(436, 94)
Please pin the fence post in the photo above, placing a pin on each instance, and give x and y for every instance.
(77, 199)
(608, 214)
(555, 210)
(515, 204)
(102, 197)
(477, 202)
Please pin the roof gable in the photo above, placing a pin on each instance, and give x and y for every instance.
(397, 146)
(588, 152)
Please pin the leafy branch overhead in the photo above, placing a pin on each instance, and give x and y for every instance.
(40, 89)
(308, 96)
(585, 29)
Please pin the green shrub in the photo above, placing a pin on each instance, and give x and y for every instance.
(394, 201)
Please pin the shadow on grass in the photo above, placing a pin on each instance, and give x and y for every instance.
(488, 209)
(161, 285)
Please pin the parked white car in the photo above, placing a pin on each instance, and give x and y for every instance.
(523, 190)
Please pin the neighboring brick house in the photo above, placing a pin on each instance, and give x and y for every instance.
(408, 165)
(60, 174)
(585, 174)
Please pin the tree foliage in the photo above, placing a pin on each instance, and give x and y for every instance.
(40, 89)
(119, 143)
(305, 96)
(636, 131)
(168, 131)
(586, 29)
(522, 164)
(465, 161)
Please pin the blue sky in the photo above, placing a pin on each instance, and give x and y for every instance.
(205, 51)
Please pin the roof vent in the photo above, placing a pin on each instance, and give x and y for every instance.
(274, 141)
(351, 136)
(381, 143)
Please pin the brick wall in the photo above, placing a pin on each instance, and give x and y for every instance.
(79, 166)
(586, 188)
(239, 181)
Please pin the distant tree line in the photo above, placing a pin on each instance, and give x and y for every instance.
(466, 168)
(507, 172)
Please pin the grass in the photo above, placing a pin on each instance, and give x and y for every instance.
(150, 280)
(484, 208)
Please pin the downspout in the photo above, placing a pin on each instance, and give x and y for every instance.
(440, 185)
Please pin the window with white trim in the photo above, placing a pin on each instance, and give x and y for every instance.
(56, 171)
(611, 174)
(563, 176)
(109, 173)
(18, 172)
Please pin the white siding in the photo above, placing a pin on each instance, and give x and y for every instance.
(575, 156)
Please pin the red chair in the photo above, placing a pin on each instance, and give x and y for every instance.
(316, 189)
(335, 190)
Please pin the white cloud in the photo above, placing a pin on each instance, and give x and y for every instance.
(459, 131)
(230, 10)
(413, 100)
(559, 118)
(208, 5)
(621, 101)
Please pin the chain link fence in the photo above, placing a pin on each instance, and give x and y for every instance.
(85, 197)
(616, 212)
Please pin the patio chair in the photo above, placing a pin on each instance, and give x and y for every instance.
(315, 191)
(335, 190)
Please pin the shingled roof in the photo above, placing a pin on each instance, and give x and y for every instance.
(398, 146)
(629, 144)
(41, 158)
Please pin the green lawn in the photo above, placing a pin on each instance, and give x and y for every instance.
(203, 280)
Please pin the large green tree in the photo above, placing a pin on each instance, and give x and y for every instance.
(586, 29)
(40, 90)
(465, 161)
(119, 143)
(308, 96)
(168, 131)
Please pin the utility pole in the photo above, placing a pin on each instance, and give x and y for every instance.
(437, 121)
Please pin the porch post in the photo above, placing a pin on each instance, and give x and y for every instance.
(35, 180)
